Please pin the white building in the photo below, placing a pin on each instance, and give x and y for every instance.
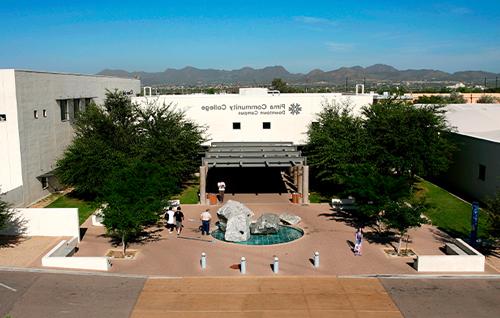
(36, 113)
(255, 136)
(475, 170)
(255, 115)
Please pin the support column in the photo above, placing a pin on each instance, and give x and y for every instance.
(203, 184)
(305, 184)
(295, 177)
(300, 179)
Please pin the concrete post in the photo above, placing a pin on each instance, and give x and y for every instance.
(243, 265)
(276, 265)
(203, 184)
(203, 260)
(316, 259)
(305, 184)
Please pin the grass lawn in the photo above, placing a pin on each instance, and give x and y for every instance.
(448, 212)
(85, 208)
(315, 197)
(189, 195)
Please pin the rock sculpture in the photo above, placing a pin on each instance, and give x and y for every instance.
(266, 224)
(234, 217)
(290, 219)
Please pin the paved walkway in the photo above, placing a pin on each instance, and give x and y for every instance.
(166, 254)
(264, 297)
(25, 251)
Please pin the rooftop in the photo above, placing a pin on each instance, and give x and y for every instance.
(475, 120)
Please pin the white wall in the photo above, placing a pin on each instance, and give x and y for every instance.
(57, 257)
(10, 153)
(47, 222)
(218, 112)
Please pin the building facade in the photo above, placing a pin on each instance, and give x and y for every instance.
(255, 136)
(36, 114)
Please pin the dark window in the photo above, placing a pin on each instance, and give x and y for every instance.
(236, 125)
(45, 182)
(266, 125)
(76, 107)
(44, 112)
(88, 101)
(3, 117)
(35, 114)
(64, 109)
(482, 172)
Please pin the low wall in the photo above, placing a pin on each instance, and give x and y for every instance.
(60, 256)
(472, 262)
(44, 222)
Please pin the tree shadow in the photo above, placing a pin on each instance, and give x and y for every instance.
(10, 241)
(441, 236)
(377, 236)
(343, 216)
(144, 237)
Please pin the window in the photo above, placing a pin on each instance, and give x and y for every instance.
(482, 172)
(76, 107)
(64, 109)
(45, 182)
(44, 113)
(236, 125)
(35, 114)
(87, 102)
(266, 125)
(3, 117)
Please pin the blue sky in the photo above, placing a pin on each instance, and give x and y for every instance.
(88, 36)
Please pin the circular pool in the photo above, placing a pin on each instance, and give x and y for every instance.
(285, 234)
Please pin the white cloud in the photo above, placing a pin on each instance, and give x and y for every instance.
(314, 20)
(339, 47)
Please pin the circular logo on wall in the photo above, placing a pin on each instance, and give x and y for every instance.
(295, 108)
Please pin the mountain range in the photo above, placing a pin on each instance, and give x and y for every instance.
(191, 76)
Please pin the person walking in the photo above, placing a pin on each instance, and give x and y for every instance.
(179, 217)
(222, 188)
(169, 216)
(205, 218)
(358, 239)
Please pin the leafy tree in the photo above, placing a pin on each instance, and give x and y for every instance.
(130, 158)
(376, 156)
(453, 98)
(279, 85)
(408, 140)
(487, 99)
(493, 210)
(337, 144)
(401, 216)
(133, 196)
(5, 213)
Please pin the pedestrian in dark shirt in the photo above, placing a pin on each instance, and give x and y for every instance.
(179, 217)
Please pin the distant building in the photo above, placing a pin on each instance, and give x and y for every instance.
(36, 114)
(475, 171)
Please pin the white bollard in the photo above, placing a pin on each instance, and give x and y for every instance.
(203, 260)
(276, 265)
(243, 265)
(316, 259)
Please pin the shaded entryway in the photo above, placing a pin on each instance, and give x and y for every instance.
(254, 168)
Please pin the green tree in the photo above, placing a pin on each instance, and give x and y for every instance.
(5, 213)
(407, 139)
(401, 216)
(487, 99)
(337, 143)
(279, 85)
(133, 196)
(132, 159)
(493, 210)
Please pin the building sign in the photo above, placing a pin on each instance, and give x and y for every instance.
(474, 222)
(253, 110)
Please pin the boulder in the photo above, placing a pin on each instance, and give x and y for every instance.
(234, 217)
(266, 224)
(290, 219)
